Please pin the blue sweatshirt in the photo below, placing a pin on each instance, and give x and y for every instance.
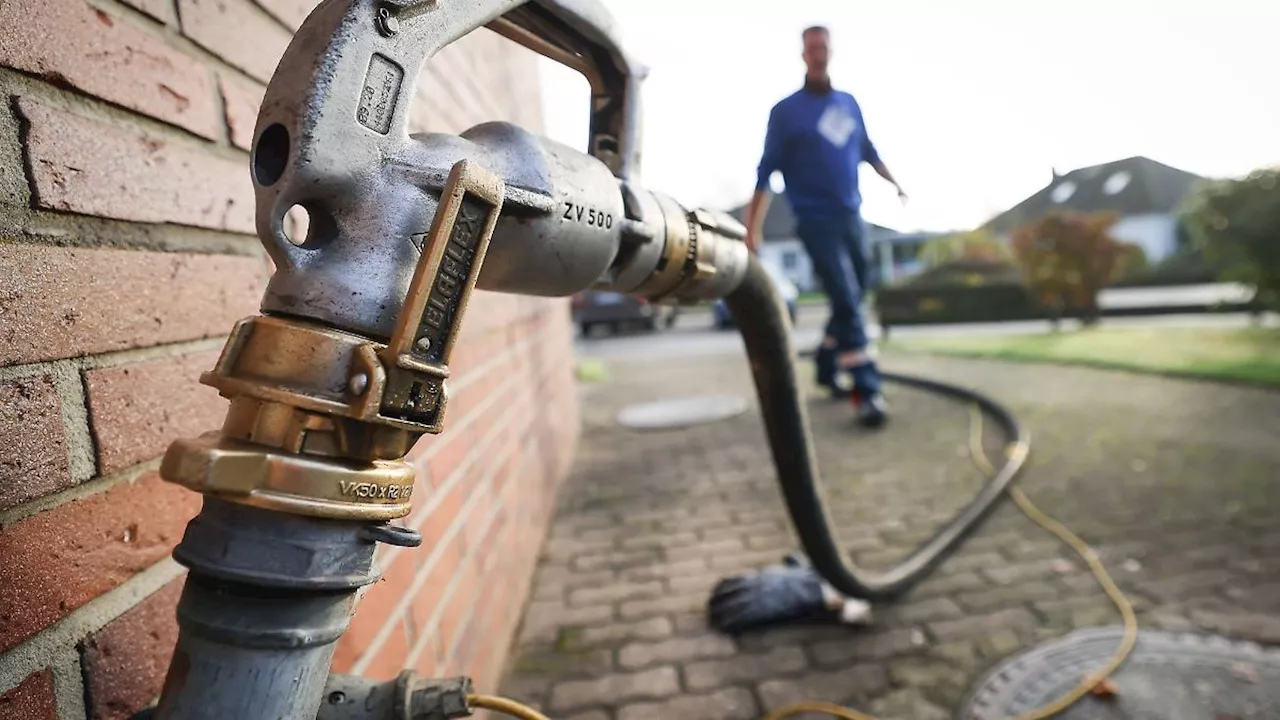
(817, 140)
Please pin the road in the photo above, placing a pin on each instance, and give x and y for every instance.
(694, 335)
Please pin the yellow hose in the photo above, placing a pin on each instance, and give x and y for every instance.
(814, 706)
(505, 706)
(1091, 559)
(979, 457)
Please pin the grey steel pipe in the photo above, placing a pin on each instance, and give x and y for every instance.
(268, 596)
(243, 655)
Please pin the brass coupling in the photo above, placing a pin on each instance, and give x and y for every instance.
(250, 474)
(321, 419)
(702, 255)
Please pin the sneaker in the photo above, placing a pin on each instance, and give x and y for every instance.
(871, 412)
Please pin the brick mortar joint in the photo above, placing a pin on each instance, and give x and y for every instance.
(100, 602)
(465, 621)
(499, 504)
(117, 358)
(169, 22)
(70, 383)
(455, 527)
(416, 518)
(68, 686)
(499, 464)
(170, 31)
(44, 648)
(493, 396)
(90, 107)
(77, 432)
(96, 486)
(42, 229)
(114, 358)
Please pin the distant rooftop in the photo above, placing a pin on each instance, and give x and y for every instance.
(1133, 186)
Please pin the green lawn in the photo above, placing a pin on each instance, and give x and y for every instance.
(1241, 354)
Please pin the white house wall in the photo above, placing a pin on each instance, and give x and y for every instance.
(790, 257)
(1156, 234)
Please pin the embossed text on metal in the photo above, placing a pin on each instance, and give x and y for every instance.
(417, 357)
(440, 315)
(378, 96)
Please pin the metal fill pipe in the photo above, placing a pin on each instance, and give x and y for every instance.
(244, 654)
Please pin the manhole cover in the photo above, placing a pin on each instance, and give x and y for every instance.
(681, 412)
(1169, 676)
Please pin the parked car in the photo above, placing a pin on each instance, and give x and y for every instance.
(787, 289)
(596, 308)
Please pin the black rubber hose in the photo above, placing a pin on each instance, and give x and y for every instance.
(761, 317)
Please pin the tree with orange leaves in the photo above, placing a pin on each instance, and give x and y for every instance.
(1066, 258)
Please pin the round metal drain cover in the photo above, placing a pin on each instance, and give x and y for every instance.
(681, 412)
(1169, 676)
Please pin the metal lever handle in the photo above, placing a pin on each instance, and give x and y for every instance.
(433, 310)
(361, 59)
(581, 34)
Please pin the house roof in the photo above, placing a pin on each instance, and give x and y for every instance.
(1133, 186)
(780, 222)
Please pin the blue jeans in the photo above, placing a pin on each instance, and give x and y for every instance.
(837, 248)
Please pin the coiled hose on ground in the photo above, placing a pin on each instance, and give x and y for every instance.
(765, 329)
(762, 319)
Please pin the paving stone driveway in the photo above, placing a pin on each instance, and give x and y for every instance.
(1175, 483)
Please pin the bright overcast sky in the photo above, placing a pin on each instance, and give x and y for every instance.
(970, 103)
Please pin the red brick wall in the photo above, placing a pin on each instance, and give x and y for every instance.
(125, 258)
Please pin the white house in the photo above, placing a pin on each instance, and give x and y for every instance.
(1144, 192)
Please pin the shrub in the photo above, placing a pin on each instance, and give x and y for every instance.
(965, 273)
(977, 245)
(1236, 223)
(1066, 258)
(1186, 266)
(1133, 264)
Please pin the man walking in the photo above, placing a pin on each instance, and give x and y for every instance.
(817, 139)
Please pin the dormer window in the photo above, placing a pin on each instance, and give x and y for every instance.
(1117, 182)
(1063, 192)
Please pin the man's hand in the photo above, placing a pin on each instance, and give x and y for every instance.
(883, 171)
(752, 242)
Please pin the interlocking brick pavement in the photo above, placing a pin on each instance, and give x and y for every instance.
(1173, 482)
